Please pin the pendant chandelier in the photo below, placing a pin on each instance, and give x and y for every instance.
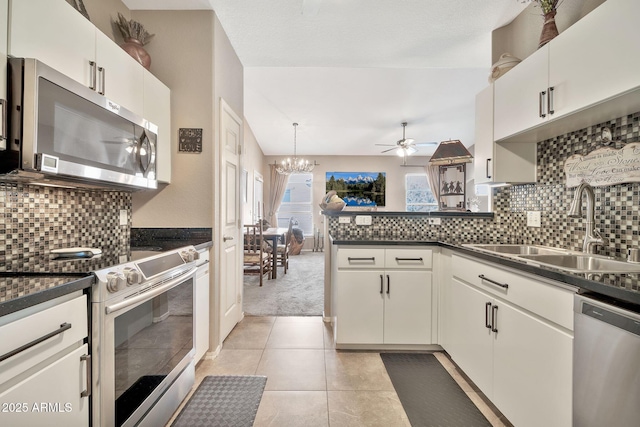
(294, 165)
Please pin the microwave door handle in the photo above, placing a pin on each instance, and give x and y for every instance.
(92, 75)
(102, 78)
(3, 137)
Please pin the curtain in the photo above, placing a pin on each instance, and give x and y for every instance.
(278, 185)
(432, 177)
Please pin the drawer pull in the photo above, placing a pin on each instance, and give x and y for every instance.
(87, 391)
(487, 307)
(494, 318)
(408, 259)
(37, 341)
(372, 259)
(502, 285)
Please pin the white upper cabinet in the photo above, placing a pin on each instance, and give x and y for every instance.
(120, 77)
(597, 58)
(577, 79)
(496, 162)
(4, 11)
(55, 33)
(157, 109)
(520, 95)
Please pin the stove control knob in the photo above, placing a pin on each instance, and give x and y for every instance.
(187, 256)
(196, 255)
(115, 281)
(133, 276)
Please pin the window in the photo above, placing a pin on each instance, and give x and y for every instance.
(418, 195)
(296, 203)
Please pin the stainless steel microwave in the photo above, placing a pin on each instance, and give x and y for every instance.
(61, 132)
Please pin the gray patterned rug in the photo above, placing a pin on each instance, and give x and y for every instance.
(429, 395)
(223, 401)
(300, 292)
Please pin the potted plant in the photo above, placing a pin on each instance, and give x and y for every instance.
(135, 37)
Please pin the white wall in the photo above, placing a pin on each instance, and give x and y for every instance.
(254, 163)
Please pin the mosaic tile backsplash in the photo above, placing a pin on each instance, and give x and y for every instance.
(35, 219)
(617, 207)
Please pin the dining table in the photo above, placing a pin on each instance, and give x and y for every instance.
(272, 236)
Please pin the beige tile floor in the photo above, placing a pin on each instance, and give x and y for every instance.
(311, 384)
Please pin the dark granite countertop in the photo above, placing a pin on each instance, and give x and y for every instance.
(40, 279)
(432, 214)
(19, 291)
(171, 238)
(624, 287)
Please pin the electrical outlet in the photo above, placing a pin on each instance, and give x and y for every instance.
(533, 219)
(435, 221)
(344, 219)
(363, 219)
(123, 217)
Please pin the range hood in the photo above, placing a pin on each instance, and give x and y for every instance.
(450, 152)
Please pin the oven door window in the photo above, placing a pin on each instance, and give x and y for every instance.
(150, 340)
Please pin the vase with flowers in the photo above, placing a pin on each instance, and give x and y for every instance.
(549, 28)
(135, 37)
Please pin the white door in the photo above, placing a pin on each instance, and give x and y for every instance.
(231, 250)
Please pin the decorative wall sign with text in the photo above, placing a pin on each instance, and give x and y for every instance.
(605, 166)
(190, 140)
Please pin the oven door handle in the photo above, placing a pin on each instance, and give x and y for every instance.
(151, 293)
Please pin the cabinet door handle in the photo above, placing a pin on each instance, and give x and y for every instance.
(388, 284)
(102, 80)
(487, 308)
(381, 285)
(550, 101)
(541, 104)
(408, 259)
(37, 341)
(87, 391)
(494, 318)
(372, 259)
(92, 75)
(487, 168)
(3, 137)
(502, 285)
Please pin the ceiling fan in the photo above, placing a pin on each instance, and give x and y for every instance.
(405, 146)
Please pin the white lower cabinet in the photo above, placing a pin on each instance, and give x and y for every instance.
(45, 363)
(387, 303)
(202, 306)
(520, 360)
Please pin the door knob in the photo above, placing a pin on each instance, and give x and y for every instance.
(225, 238)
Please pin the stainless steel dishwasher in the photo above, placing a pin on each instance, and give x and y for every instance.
(606, 363)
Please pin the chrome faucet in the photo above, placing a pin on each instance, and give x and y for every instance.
(592, 237)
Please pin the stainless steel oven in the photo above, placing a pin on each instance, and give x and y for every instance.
(143, 339)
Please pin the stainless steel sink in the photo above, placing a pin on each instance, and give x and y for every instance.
(577, 262)
(583, 263)
(520, 249)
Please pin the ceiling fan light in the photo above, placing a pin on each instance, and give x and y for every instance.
(411, 150)
(401, 152)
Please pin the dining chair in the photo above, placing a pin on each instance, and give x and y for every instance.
(284, 248)
(256, 259)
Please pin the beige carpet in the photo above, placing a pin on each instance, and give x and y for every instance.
(300, 292)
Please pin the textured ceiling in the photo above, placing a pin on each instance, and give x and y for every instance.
(350, 71)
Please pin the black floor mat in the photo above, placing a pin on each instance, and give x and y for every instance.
(429, 395)
(223, 401)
